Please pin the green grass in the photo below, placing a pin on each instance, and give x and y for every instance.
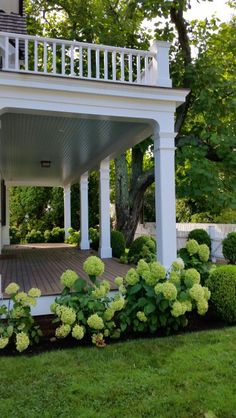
(191, 375)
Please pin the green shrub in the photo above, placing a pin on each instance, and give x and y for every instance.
(94, 238)
(222, 284)
(143, 247)
(229, 247)
(34, 236)
(201, 236)
(85, 308)
(57, 234)
(16, 322)
(47, 235)
(15, 235)
(74, 237)
(117, 243)
(196, 256)
(156, 299)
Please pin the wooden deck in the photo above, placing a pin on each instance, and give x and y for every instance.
(41, 265)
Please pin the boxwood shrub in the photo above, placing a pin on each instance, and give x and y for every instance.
(117, 243)
(143, 247)
(222, 284)
(229, 247)
(201, 236)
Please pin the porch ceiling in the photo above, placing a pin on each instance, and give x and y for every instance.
(73, 144)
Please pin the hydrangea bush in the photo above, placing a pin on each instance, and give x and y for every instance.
(16, 322)
(196, 256)
(85, 309)
(159, 299)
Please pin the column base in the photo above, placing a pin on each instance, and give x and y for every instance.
(85, 245)
(105, 252)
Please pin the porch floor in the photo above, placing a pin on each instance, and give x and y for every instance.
(41, 265)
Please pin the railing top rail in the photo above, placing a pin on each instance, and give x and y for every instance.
(79, 44)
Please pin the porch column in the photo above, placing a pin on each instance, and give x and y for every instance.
(6, 228)
(164, 155)
(67, 210)
(0, 217)
(84, 214)
(105, 229)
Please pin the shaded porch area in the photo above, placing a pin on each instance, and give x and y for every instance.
(41, 265)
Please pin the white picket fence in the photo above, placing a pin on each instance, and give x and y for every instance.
(217, 233)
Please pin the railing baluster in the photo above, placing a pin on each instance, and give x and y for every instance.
(72, 60)
(45, 57)
(130, 69)
(17, 66)
(114, 66)
(81, 72)
(105, 64)
(97, 64)
(35, 56)
(54, 56)
(146, 70)
(6, 53)
(122, 66)
(26, 55)
(89, 62)
(63, 59)
(138, 68)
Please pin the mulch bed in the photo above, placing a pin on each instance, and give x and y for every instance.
(48, 342)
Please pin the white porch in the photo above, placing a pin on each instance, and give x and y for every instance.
(78, 114)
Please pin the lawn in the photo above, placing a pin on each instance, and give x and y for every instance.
(191, 375)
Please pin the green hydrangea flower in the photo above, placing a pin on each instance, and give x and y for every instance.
(68, 315)
(207, 293)
(202, 306)
(107, 285)
(63, 331)
(3, 342)
(197, 292)
(119, 281)
(106, 333)
(78, 332)
(22, 297)
(158, 270)
(108, 314)
(141, 316)
(132, 277)
(93, 266)
(95, 322)
(10, 330)
(174, 278)
(117, 305)
(178, 264)
(142, 267)
(18, 312)
(187, 306)
(53, 307)
(149, 278)
(99, 292)
(68, 278)
(177, 309)
(191, 277)
(12, 288)
(122, 289)
(34, 292)
(168, 290)
(192, 246)
(204, 253)
(22, 341)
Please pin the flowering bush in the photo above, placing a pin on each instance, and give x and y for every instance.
(85, 309)
(16, 322)
(156, 298)
(196, 256)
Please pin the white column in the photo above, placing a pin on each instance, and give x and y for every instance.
(6, 228)
(160, 73)
(67, 210)
(105, 229)
(84, 214)
(164, 154)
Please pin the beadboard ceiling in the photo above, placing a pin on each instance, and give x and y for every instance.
(73, 145)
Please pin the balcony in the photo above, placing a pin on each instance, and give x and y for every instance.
(62, 58)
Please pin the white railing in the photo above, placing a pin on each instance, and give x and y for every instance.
(37, 55)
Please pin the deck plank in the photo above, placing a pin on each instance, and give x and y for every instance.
(41, 265)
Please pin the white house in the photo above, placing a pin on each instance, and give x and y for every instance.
(68, 107)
